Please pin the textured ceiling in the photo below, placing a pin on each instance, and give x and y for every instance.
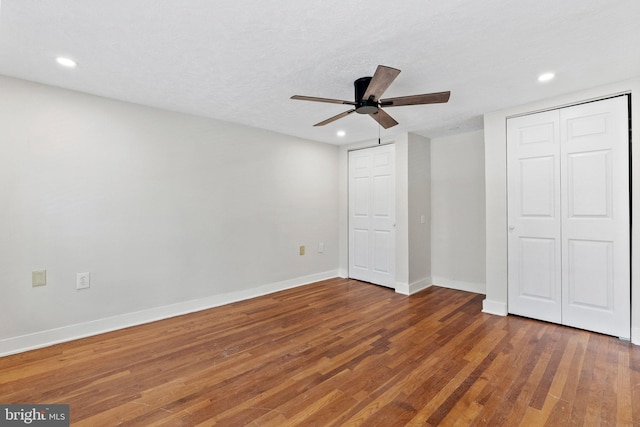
(241, 60)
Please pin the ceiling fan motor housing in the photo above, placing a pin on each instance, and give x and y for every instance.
(364, 106)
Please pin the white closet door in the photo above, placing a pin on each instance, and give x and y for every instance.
(595, 226)
(534, 245)
(568, 216)
(372, 215)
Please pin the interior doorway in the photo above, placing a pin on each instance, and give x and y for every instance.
(372, 215)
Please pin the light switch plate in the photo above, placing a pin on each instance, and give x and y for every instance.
(38, 278)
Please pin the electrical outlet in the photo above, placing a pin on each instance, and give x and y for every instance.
(83, 280)
(301, 250)
(38, 278)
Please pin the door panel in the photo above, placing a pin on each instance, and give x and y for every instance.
(537, 187)
(534, 217)
(361, 195)
(595, 227)
(590, 274)
(381, 258)
(381, 191)
(372, 215)
(360, 257)
(589, 184)
(537, 260)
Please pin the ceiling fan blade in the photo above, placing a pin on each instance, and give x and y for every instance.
(427, 98)
(313, 98)
(334, 118)
(381, 80)
(385, 120)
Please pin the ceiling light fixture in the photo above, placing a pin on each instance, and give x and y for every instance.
(341, 133)
(546, 77)
(66, 62)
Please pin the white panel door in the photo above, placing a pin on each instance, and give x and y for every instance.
(568, 216)
(595, 225)
(372, 215)
(534, 244)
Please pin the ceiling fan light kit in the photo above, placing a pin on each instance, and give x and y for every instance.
(367, 98)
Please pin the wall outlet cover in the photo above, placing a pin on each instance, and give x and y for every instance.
(83, 280)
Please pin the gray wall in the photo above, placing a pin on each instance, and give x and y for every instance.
(161, 208)
(458, 211)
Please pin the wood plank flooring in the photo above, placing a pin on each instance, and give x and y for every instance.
(337, 353)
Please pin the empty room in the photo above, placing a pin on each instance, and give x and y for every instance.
(199, 224)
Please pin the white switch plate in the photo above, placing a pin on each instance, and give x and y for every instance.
(83, 280)
(38, 278)
(320, 248)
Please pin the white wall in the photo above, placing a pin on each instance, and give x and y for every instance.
(458, 211)
(419, 209)
(496, 195)
(402, 213)
(169, 212)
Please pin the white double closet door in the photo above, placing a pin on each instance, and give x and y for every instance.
(568, 216)
(372, 215)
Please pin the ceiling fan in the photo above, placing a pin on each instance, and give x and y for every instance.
(367, 98)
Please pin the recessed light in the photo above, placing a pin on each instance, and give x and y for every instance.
(341, 133)
(66, 62)
(546, 77)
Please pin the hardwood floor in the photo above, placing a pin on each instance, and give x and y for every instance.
(336, 353)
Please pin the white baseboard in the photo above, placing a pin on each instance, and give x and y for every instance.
(412, 288)
(343, 273)
(494, 307)
(49, 337)
(478, 288)
(635, 336)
